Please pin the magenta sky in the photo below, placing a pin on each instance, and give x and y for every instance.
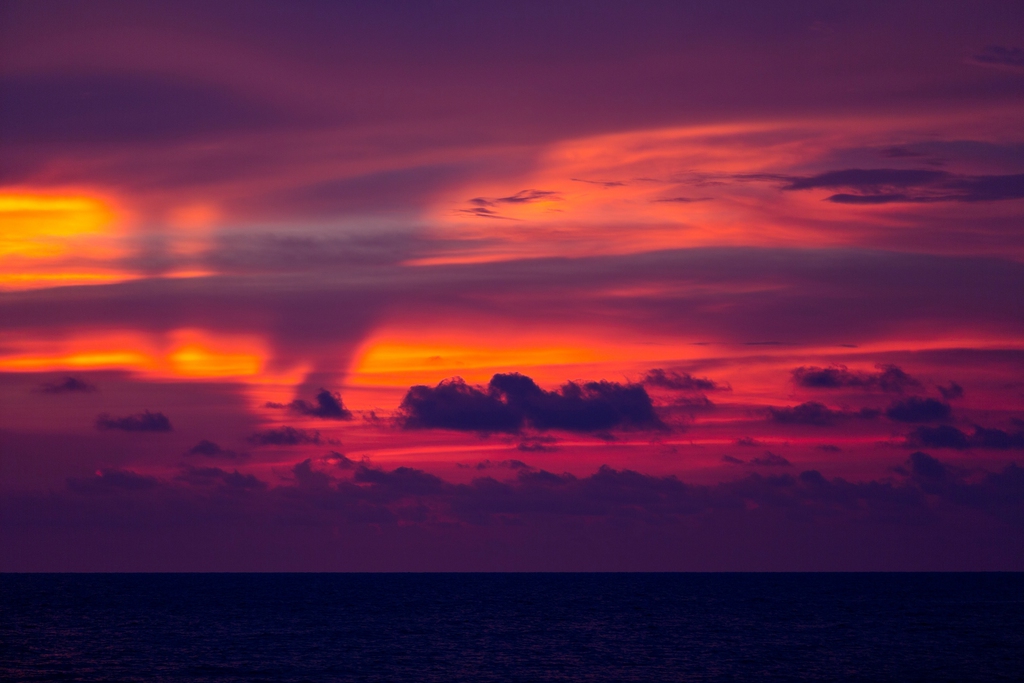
(471, 286)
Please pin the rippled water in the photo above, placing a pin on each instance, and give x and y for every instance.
(512, 627)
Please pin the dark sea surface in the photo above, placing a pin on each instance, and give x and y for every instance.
(511, 627)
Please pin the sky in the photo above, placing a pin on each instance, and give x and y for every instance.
(463, 286)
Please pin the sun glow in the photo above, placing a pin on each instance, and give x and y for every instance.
(51, 240)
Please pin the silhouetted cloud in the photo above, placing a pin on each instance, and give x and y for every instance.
(212, 450)
(924, 465)
(215, 476)
(680, 381)
(952, 392)
(748, 441)
(890, 378)
(915, 409)
(943, 436)
(998, 55)
(538, 444)
(484, 206)
(285, 436)
(328, 406)
(890, 185)
(68, 385)
(997, 439)
(141, 422)
(816, 414)
(114, 481)
(946, 436)
(512, 402)
(770, 459)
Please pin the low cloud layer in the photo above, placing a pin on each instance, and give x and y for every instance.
(812, 521)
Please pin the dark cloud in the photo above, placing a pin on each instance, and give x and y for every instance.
(998, 55)
(328, 407)
(68, 385)
(680, 381)
(120, 108)
(538, 444)
(946, 436)
(829, 448)
(890, 185)
(513, 402)
(510, 464)
(485, 206)
(889, 378)
(141, 422)
(769, 459)
(215, 476)
(748, 441)
(308, 478)
(114, 481)
(213, 450)
(453, 404)
(285, 436)
(924, 465)
(943, 436)
(997, 439)
(816, 414)
(915, 409)
(602, 183)
(952, 392)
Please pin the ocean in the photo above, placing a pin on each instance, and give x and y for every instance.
(512, 627)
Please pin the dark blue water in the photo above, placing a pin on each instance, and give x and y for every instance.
(512, 627)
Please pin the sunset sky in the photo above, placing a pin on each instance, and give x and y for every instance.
(511, 286)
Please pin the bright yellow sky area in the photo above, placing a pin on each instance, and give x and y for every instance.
(51, 239)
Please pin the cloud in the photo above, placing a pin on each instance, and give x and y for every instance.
(952, 392)
(328, 407)
(943, 436)
(816, 414)
(924, 465)
(285, 436)
(141, 422)
(484, 206)
(997, 439)
(916, 409)
(890, 378)
(538, 444)
(890, 185)
(513, 402)
(946, 436)
(769, 459)
(680, 381)
(212, 450)
(68, 385)
(215, 476)
(114, 481)
(998, 55)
